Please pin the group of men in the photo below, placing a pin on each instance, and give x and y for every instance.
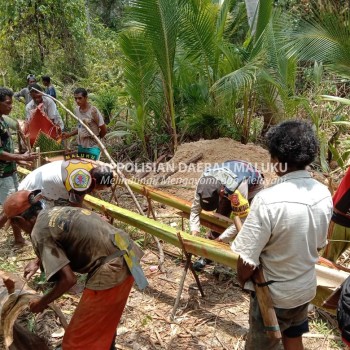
(285, 226)
(67, 238)
(85, 111)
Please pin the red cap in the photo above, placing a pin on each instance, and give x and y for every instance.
(17, 203)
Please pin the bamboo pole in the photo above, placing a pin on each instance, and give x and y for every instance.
(179, 203)
(327, 279)
(114, 164)
(101, 145)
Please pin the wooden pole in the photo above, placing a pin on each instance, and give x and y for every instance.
(102, 146)
(263, 296)
(114, 164)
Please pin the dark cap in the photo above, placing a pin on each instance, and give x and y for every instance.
(208, 190)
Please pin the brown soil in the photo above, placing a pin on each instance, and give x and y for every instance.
(214, 151)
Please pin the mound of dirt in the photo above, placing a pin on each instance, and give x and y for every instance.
(183, 182)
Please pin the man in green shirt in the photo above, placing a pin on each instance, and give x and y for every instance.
(8, 159)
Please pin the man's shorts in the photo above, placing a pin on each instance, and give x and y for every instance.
(8, 185)
(92, 153)
(293, 323)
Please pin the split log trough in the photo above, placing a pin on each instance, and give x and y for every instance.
(15, 297)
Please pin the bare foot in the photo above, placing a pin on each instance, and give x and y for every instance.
(20, 243)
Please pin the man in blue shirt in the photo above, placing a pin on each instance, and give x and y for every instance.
(49, 88)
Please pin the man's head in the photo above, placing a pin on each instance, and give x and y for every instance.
(31, 79)
(208, 190)
(36, 95)
(5, 101)
(102, 177)
(22, 208)
(46, 80)
(292, 144)
(82, 181)
(81, 97)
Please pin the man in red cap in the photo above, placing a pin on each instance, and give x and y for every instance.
(68, 240)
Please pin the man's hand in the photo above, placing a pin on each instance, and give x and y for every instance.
(29, 157)
(244, 272)
(31, 268)
(37, 305)
(195, 233)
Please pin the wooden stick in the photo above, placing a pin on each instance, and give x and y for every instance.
(101, 145)
(103, 148)
(263, 296)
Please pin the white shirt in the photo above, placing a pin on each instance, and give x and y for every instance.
(286, 226)
(48, 179)
(49, 108)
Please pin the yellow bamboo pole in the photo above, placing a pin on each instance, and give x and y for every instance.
(178, 203)
(327, 279)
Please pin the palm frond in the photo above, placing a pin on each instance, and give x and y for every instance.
(159, 20)
(236, 81)
(197, 31)
(324, 37)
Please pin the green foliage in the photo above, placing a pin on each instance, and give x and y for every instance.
(324, 37)
(159, 21)
(107, 103)
(40, 34)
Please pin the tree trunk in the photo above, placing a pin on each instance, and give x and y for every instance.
(87, 14)
(38, 33)
(251, 6)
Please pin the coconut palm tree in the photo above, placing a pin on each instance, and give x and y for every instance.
(158, 20)
(323, 37)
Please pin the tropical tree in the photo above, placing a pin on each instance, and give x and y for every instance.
(323, 37)
(39, 33)
(139, 68)
(159, 20)
(264, 80)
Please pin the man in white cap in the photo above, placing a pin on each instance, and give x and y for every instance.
(25, 91)
(66, 182)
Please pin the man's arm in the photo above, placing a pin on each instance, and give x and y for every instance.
(194, 216)
(18, 158)
(228, 235)
(18, 95)
(66, 280)
(52, 113)
(98, 119)
(103, 130)
(244, 271)
(67, 135)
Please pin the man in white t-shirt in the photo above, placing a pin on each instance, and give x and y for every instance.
(93, 119)
(67, 182)
(282, 234)
(47, 105)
